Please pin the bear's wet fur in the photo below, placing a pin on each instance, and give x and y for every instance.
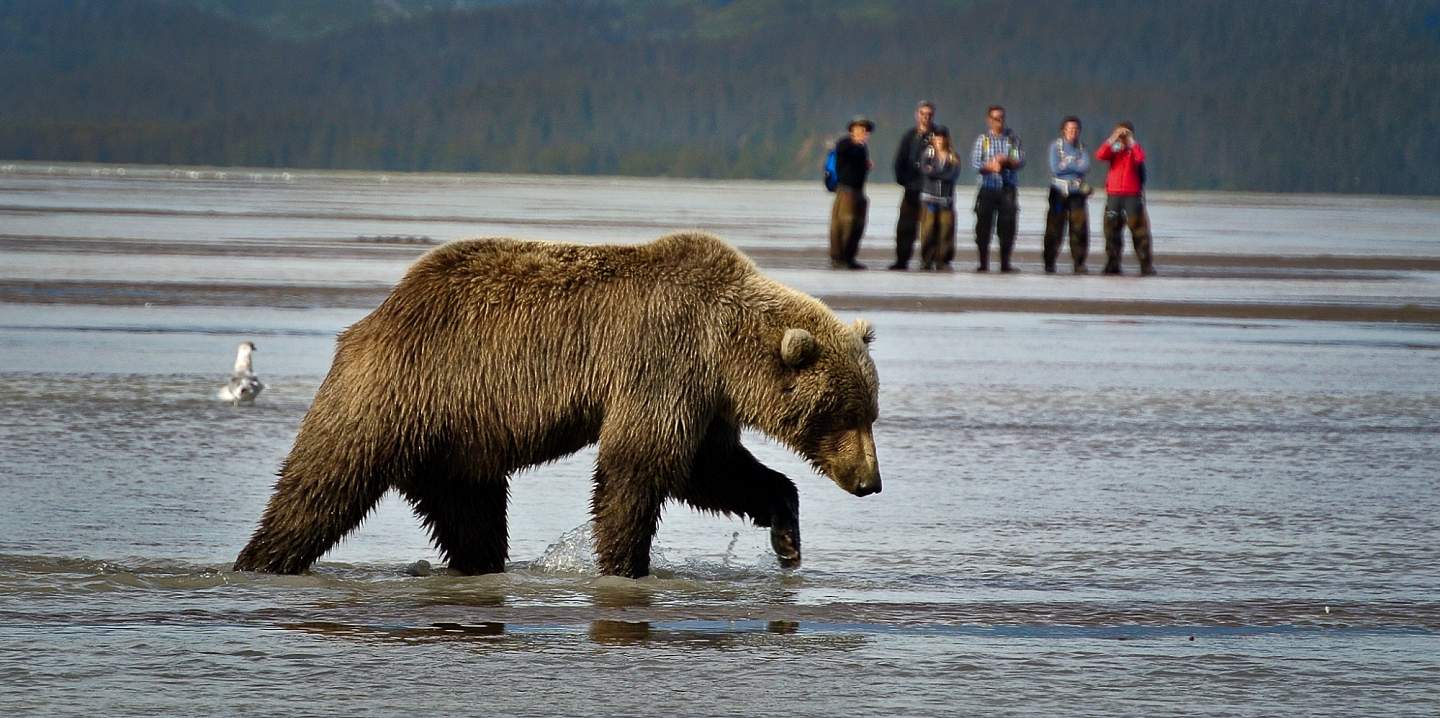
(491, 355)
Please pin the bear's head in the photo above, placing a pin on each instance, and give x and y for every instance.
(828, 400)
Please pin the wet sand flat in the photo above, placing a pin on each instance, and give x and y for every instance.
(298, 296)
(94, 235)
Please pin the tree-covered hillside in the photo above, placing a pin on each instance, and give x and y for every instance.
(1231, 94)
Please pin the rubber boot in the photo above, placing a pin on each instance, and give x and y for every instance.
(1005, 252)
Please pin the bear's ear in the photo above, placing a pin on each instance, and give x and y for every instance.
(863, 330)
(798, 348)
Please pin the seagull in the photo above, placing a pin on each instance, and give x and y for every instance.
(244, 386)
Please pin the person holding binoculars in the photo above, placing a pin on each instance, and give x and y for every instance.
(1125, 199)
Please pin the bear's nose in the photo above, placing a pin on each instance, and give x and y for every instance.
(865, 488)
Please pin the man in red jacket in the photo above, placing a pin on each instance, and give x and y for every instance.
(1125, 199)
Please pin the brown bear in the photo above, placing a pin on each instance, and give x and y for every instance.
(495, 354)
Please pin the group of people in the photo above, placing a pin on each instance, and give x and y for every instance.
(927, 166)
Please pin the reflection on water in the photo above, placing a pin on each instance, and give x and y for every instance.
(620, 632)
(1106, 508)
(433, 632)
(691, 634)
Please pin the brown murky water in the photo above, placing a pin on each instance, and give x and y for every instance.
(1210, 493)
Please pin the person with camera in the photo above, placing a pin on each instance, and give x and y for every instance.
(997, 157)
(848, 213)
(907, 175)
(1069, 197)
(1125, 199)
(940, 167)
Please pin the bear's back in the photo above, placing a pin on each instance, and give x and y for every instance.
(535, 260)
(502, 271)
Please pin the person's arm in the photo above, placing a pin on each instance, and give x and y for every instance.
(926, 165)
(902, 160)
(1057, 158)
(977, 155)
(1017, 159)
(1104, 154)
(1139, 153)
(1082, 160)
(951, 171)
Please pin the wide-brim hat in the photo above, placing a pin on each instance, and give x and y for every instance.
(861, 120)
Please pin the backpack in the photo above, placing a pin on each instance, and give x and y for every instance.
(831, 179)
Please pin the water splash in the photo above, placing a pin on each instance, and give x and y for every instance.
(573, 552)
(730, 549)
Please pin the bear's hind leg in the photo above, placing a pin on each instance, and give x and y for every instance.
(465, 515)
(309, 512)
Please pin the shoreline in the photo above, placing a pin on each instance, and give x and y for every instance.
(293, 296)
(398, 246)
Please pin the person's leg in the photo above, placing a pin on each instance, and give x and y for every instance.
(1114, 237)
(984, 222)
(838, 226)
(947, 237)
(1007, 213)
(1139, 221)
(1079, 231)
(928, 237)
(905, 228)
(1054, 226)
(842, 225)
(857, 230)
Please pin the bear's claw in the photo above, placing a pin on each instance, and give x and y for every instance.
(786, 542)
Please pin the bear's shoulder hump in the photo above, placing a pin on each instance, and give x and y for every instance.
(699, 249)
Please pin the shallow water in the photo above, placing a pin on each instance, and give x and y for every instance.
(1082, 513)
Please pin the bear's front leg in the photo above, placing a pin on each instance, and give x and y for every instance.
(785, 529)
(626, 508)
(727, 478)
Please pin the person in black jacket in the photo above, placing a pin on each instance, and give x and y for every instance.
(847, 215)
(907, 175)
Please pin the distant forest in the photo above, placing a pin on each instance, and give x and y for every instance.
(1282, 95)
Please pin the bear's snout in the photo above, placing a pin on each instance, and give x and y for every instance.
(857, 469)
